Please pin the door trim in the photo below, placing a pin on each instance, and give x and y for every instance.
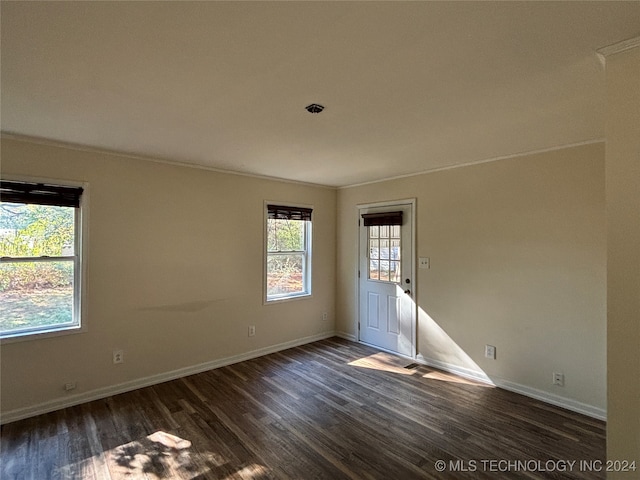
(414, 320)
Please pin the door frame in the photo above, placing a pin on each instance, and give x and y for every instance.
(411, 202)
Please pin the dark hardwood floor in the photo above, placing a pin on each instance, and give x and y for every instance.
(328, 410)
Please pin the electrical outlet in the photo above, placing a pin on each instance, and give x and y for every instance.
(325, 316)
(558, 379)
(252, 330)
(118, 356)
(424, 262)
(69, 386)
(490, 351)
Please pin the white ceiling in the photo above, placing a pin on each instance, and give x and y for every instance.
(408, 87)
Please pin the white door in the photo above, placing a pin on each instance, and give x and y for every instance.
(386, 308)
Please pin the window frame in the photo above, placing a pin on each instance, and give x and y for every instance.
(79, 260)
(380, 259)
(307, 256)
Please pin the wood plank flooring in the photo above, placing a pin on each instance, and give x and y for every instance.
(332, 409)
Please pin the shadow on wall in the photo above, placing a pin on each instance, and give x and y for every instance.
(445, 353)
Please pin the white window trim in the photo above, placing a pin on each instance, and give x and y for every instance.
(80, 267)
(308, 263)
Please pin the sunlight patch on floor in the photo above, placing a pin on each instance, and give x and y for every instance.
(162, 455)
(384, 362)
(250, 471)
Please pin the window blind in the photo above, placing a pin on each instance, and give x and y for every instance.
(39, 193)
(281, 212)
(383, 218)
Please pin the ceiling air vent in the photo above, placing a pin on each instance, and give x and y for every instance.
(314, 108)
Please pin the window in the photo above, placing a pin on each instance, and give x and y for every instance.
(288, 252)
(40, 262)
(384, 253)
(383, 238)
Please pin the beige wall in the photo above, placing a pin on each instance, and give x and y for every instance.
(175, 272)
(518, 260)
(517, 249)
(623, 268)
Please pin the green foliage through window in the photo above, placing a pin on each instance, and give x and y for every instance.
(287, 258)
(28, 230)
(37, 273)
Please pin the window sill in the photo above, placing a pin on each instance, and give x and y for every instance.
(41, 334)
(289, 298)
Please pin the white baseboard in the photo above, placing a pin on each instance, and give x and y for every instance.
(97, 394)
(464, 372)
(547, 397)
(557, 400)
(347, 336)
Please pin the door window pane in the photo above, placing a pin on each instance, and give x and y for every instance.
(374, 249)
(384, 249)
(384, 253)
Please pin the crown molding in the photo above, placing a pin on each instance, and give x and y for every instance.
(84, 148)
(478, 162)
(619, 47)
(103, 151)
